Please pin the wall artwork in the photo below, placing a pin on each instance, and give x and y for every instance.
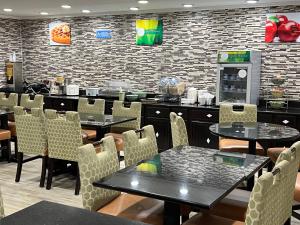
(103, 34)
(149, 32)
(60, 33)
(283, 27)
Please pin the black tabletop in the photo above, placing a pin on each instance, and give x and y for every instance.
(48, 213)
(254, 131)
(89, 119)
(192, 175)
(5, 111)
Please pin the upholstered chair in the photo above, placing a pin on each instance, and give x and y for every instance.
(139, 145)
(37, 102)
(228, 115)
(96, 109)
(234, 206)
(270, 200)
(1, 206)
(178, 129)
(95, 166)
(8, 102)
(135, 111)
(32, 138)
(64, 138)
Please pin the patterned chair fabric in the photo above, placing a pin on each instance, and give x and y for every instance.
(37, 102)
(179, 132)
(228, 115)
(32, 138)
(93, 167)
(1, 206)
(96, 108)
(9, 102)
(137, 149)
(64, 135)
(134, 110)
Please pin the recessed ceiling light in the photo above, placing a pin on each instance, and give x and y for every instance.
(143, 1)
(7, 10)
(252, 1)
(187, 5)
(134, 8)
(66, 6)
(85, 11)
(44, 13)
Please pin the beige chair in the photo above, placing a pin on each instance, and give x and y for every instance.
(179, 132)
(37, 102)
(139, 145)
(228, 115)
(135, 111)
(94, 167)
(64, 138)
(8, 102)
(1, 206)
(97, 108)
(270, 201)
(32, 138)
(235, 205)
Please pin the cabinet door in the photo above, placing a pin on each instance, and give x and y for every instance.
(264, 117)
(201, 136)
(286, 120)
(48, 103)
(64, 105)
(162, 131)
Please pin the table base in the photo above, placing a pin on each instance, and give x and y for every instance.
(171, 213)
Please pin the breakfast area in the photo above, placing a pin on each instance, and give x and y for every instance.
(150, 112)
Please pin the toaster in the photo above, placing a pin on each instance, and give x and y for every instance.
(72, 89)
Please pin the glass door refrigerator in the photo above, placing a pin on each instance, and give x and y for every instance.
(238, 78)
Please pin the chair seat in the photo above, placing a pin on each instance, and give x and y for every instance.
(234, 145)
(119, 141)
(90, 134)
(4, 135)
(12, 128)
(206, 219)
(136, 208)
(297, 189)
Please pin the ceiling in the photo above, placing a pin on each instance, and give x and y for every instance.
(32, 8)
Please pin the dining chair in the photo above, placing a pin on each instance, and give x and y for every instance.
(120, 110)
(9, 102)
(32, 139)
(270, 200)
(139, 145)
(97, 109)
(1, 206)
(228, 115)
(178, 130)
(64, 138)
(234, 206)
(95, 166)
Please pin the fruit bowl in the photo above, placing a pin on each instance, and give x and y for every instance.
(277, 93)
(276, 104)
(278, 81)
(132, 98)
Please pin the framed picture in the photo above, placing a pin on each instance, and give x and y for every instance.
(283, 27)
(149, 32)
(60, 33)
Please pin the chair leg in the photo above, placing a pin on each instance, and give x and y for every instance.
(288, 222)
(77, 187)
(19, 167)
(8, 149)
(50, 173)
(44, 168)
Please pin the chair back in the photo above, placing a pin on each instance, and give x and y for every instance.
(96, 108)
(178, 129)
(1, 206)
(31, 130)
(138, 148)
(93, 167)
(134, 110)
(272, 196)
(228, 115)
(64, 135)
(10, 102)
(37, 102)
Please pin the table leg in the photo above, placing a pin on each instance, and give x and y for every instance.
(100, 132)
(171, 213)
(252, 151)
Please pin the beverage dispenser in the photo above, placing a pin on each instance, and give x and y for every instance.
(14, 76)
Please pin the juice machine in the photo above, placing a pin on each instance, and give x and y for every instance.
(238, 78)
(14, 76)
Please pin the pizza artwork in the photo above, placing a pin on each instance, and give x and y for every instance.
(61, 34)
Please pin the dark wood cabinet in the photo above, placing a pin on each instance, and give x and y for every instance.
(286, 120)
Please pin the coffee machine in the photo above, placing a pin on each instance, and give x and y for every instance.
(14, 76)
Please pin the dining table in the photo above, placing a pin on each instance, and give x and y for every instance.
(188, 175)
(50, 213)
(102, 123)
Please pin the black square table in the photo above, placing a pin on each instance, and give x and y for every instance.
(188, 175)
(102, 122)
(48, 213)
